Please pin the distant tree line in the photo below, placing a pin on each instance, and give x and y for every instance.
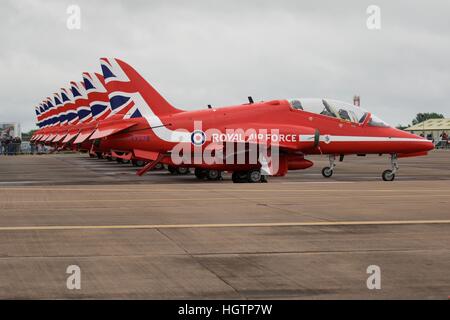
(421, 117)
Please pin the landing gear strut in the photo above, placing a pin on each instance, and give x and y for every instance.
(389, 175)
(327, 172)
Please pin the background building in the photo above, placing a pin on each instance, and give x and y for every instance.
(10, 129)
(433, 127)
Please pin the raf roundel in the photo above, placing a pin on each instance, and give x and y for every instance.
(198, 138)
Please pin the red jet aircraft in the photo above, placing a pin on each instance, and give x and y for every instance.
(252, 140)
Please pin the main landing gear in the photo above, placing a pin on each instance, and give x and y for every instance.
(251, 176)
(178, 170)
(389, 175)
(213, 175)
(327, 172)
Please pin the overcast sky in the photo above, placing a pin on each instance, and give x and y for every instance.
(219, 52)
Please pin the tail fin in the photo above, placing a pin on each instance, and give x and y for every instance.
(69, 107)
(57, 116)
(122, 81)
(97, 95)
(81, 101)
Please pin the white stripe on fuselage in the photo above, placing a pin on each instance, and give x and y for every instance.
(328, 138)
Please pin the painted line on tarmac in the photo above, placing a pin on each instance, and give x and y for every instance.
(134, 188)
(205, 199)
(230, 225)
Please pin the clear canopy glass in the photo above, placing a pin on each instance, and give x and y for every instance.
(336, 109)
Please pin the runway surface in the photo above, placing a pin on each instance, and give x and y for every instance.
(164, 237)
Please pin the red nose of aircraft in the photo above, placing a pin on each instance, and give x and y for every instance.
(412, 143)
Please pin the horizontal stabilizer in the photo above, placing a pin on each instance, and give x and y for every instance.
(70, 136)
(84, 134)
(59, 137)
(108, 130)
(36, 137)
(44, 137)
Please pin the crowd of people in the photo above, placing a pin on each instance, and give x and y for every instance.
(444, 140)
(10, 146)
(441, 143)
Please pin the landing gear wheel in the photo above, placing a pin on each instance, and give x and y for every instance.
(158, 166)
(327, 172)
(172, 170)
(388, 175)
(239, 176)
(214, 175)
(119, 160)
(99, 155)
(254, 176)
(138, 163)
(182, 170)
(200, 173)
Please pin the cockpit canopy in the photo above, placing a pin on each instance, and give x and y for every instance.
(337, 109)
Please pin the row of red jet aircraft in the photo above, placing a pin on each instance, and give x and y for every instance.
(118, 114)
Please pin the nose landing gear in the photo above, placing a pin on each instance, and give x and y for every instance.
(389, 175)
(327, 172)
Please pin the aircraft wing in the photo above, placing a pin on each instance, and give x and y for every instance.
(108, 130)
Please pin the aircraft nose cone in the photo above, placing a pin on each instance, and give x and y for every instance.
(429, 145)
(422, 144)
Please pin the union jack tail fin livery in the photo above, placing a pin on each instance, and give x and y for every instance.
(71, 115)
(130, 93)
(81, 102)
(97, 95)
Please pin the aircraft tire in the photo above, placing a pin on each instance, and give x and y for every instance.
(388, 175)
(327, 172)
(159, 166)
(200, 173)
(254, 176)
(239, 176)
(172, 170)
(182, 170)
(213, 175)
(138, 163)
